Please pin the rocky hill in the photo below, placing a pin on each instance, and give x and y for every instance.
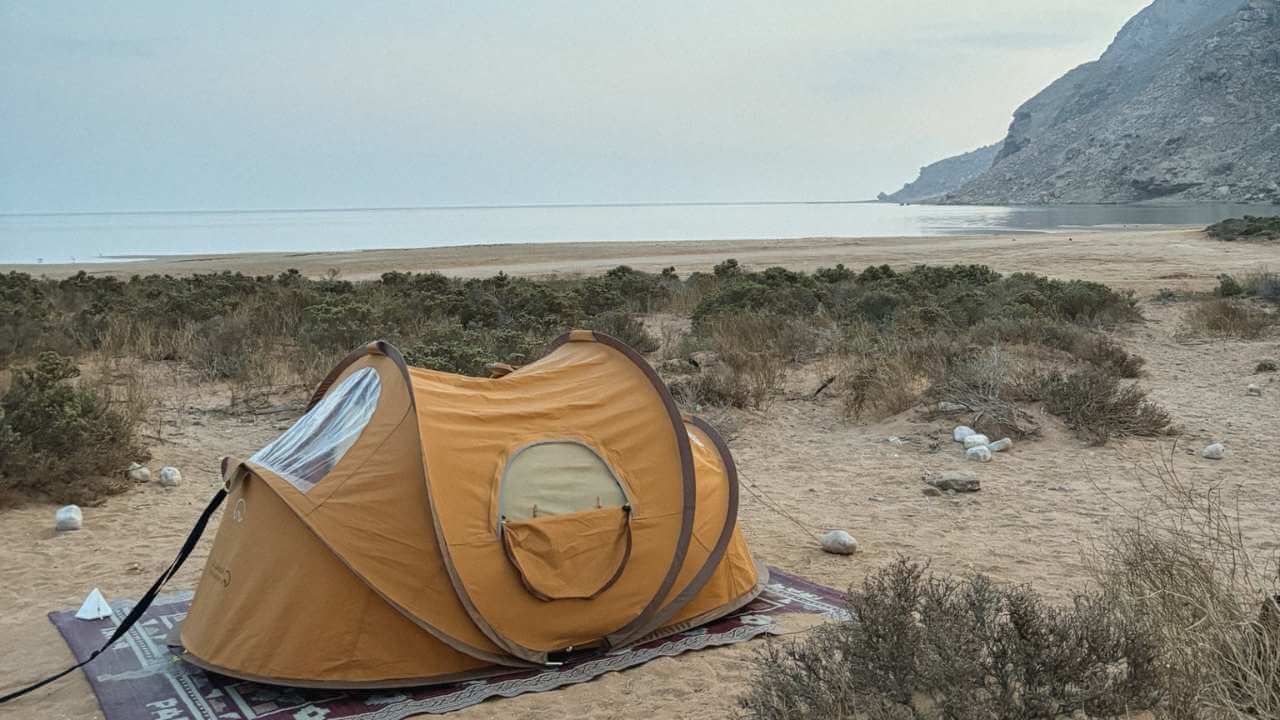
(1183, 106)
(944, 176)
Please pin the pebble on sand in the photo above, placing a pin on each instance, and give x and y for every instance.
(1254, 390)
(1216, 451)
(961, 432)
(139, 473)
(68, 517)
(839, 542)
(1000, 445)
(169, 476)
(953, 480)
(976, 440)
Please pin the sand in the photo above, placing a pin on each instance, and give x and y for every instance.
(1147, 258)
(1041, 507)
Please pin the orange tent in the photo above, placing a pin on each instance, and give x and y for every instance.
(419, 527)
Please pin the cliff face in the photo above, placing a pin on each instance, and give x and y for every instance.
(945, 176)
(1183, 106)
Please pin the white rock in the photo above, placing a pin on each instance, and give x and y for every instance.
(68, 517)
(1216, 451)
(980, 453)
(895, 440)
(139, 473)
(976, 440)
(961, 432)
(839, 542)
(1000, 445)
(1254, 390)
(169, 476)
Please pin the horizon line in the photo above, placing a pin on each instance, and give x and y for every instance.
(403, 208)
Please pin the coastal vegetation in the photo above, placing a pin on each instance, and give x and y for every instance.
(1176, 615)
(886, 340)
(1182, 618)
(1249, 227)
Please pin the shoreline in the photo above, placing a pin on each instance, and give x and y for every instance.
(1134, 258)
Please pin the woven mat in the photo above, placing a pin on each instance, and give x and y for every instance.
(138, 678)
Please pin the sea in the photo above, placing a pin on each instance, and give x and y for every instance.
(114, 236)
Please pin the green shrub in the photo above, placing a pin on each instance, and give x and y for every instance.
(1250, 227)
(451, 348)
(625, 327)
(62, 441)
(924, 645)
(1228, 287)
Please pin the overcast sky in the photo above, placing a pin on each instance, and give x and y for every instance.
(137, 105)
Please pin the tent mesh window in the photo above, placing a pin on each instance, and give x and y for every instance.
(555, 478)
(308, 450)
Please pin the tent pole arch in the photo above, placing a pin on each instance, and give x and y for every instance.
(688, 492)
(708, 568)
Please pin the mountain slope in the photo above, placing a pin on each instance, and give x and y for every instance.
(944, 176)
(1183, 106)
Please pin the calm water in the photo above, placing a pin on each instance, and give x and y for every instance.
(91, 237)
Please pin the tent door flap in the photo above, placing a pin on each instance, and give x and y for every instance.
(571, 556)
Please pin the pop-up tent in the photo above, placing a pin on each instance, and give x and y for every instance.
(417, 527)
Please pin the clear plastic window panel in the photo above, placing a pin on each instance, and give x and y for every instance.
(306, 452)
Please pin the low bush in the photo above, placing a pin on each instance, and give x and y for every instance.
(745, 359)
(1099, 406)
(925, 645)
(624, 326)
(451, 348)
(1261, 283)
(1249, 227)
(1227, 318)
(992, 385)
(60, 440)
(1183, 566)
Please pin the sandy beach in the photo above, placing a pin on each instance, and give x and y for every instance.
(1148, 259)
(1041, 508)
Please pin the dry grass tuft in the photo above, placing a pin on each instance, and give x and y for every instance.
(747, 359)
(1099, 406)
(993, 385)
(1184, 569)
(1228, 318)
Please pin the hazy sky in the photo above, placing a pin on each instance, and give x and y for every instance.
(172, 105)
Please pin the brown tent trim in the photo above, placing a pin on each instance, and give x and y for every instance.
(382, 347)
(689, 491)
(442, 636)
(762, 579)
(624, 634)
(377, 347)
(708, 568)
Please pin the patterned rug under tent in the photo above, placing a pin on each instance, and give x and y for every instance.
(139, 679)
